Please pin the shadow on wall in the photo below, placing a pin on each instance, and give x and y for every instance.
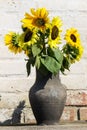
(16, 115)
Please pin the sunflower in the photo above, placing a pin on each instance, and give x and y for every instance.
(39, 18)
(72, 53)
(28, 38)
(54, 37)
(72, 37)
(11, 40)
(80, 50)
(76, 54)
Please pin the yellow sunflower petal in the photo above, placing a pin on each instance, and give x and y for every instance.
(44, 12)
(8, 38)
(33, 11)
(38, 12)
(28, 16)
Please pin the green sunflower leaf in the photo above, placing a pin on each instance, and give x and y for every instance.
(56, 53)
(37, 62)
(66, 63)
(51, 64)
(36, 50)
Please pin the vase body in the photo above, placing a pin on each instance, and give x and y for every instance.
(47, 98)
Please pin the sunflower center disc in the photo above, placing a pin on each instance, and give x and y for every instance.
(54, 33)
(28, 36)
(40, 22)
(73, 38)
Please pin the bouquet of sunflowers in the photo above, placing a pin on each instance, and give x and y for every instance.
(40, 40)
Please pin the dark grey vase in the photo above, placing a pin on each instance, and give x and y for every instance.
(47, 98)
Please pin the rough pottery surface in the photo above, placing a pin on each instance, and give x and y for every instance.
(47, 97)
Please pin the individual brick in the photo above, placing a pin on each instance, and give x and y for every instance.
(69, 114)
(83, 113)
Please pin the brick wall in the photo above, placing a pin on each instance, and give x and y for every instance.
(14, 83)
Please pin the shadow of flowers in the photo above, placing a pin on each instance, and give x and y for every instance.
(16, 115)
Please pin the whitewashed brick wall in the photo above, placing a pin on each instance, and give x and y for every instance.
(14, 83)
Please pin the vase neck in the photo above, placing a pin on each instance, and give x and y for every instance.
(46, 80)
(41, 76)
